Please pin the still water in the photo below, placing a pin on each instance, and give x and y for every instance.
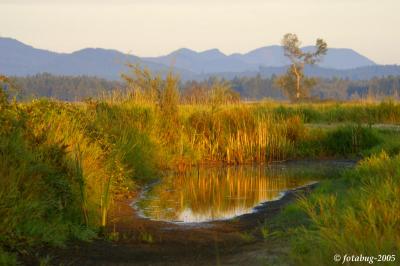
(208, 194)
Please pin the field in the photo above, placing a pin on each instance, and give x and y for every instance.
(64, 168)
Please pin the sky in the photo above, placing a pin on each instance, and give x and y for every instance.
(157, 27)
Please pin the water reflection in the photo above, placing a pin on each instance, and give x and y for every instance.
(220, 193)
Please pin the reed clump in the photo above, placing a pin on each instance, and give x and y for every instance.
(237, 135)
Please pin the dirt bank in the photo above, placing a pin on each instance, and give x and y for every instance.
(140, 241)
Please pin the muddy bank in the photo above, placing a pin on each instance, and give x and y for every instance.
(140, 241)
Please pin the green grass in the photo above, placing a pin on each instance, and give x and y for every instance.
(7, 258)
(334, 112)
(354, 213)
(357, 214)
(390, 143)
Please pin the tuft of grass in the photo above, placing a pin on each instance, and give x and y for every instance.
(265, 232)
(247, 237)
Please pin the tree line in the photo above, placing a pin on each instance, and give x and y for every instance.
(66, 88)
(69, 88)
(256, 88)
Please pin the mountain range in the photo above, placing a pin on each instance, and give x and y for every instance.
(19, 59)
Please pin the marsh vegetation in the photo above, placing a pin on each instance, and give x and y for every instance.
(64, 165)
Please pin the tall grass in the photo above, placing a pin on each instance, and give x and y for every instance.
(81, 182)
(356, 215)
(62, 165)
(237, 136)
(37, 202)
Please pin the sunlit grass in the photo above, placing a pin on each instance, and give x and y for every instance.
(62, 164)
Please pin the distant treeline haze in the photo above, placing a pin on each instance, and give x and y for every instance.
(75, 88)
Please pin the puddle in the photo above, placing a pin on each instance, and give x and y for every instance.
(218, 193)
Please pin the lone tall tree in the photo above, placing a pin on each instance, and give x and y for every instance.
(299, 58)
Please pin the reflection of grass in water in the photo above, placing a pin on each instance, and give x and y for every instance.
(146, 237)
(222, 192)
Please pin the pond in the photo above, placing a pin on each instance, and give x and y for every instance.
(218, 193)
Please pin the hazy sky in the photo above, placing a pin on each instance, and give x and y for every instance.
(156, 27)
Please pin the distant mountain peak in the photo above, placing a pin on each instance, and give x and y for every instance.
(17, 58)
(183, 51)
(214, 51)
(97, 51)
(336, 58)
(6, 41)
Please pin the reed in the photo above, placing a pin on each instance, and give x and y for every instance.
(236, 135)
